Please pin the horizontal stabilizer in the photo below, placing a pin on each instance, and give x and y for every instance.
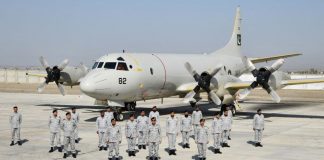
(271, 58)
(301, 81)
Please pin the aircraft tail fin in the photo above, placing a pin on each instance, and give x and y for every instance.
(233, 47)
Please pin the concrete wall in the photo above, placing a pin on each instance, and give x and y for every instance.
(19, 76)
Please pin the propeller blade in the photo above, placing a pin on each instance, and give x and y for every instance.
(41, 87)
(250, 66)
(244, 93)
(190, 96)
(274, 95)
(43, 62)
(61, 88)
(214, 97)
(83, 68)
(275, 66)
(63, 64)
(215, 71)
(190, 69)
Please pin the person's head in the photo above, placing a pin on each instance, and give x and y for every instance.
(226, 112)
(15, 109)
(54, 112)
(202, 122)
(153, 120)
(186, 114)
(102, 113)
(142, 113)
(259, 111)
(113, 121)
(132, 117)
(172, 114)
(73, 110)
(217, 115)
(108, 109)
(68, 115)
(154, 109)
(227, 108)
(197, 108)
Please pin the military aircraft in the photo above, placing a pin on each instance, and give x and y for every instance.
(121, 79)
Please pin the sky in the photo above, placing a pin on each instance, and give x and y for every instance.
(83, 30)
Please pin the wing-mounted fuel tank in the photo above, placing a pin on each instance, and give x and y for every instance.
(276, 79)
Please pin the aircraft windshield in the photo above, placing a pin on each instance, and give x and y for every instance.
(100, 64)
(95, 65)
(110, 65)
(122, 66)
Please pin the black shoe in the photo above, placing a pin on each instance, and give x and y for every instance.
(139, 146)
(74, 155)
(260, 145)
(109, 158)
(51, 150)
(100, 148)
(229, 138)
(204, 158)
(129, 153)
(117, 158)
(184, 146)
(19, 143)
(134, 153)
(156, 158)
(218, 151)
(144, 146)
(174, 152)
(151, 158)
(188, 145)
(225, 145)
(59, 149)
(170, 152)
(65, 155)
(76, 141)
(105, 148)
(215, 151)
(12, 143)
(256, 144)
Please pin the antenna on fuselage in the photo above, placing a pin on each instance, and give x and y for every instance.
(124, 51)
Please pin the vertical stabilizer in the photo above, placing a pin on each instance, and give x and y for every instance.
(233, 47)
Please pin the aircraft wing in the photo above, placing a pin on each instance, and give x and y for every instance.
(36, 75)
(187, 87)
(301, 81)
(243, 85)
(266, 59)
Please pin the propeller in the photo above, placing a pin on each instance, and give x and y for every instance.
(53, 74)
(262, 76)
(203, 82)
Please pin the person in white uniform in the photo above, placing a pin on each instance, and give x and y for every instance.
(131, 134)
(217, 133)
(196, 117)
(172, 130)
(102, 125)
(154, 113)
(114, 136)
(202, 139)
(76, 118)
(15, 121)
(185, 128)
(226, 126)
(68, 126)
(142, 127)
(154, 139)
(109, 115)
(258, 127)
(54, 124)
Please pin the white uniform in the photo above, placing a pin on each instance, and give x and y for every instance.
(196, 117)
(226, 126)
(15, 120)
(76, 117)
(217, 132)
(155, 114)
(114, 136)
(201, 138)
(172, 129)
(102, 125)
(258, 126)
(109, 116)
(54, 124)
(142, 126)
(131, 134)
(185, 128)
(154, 140)
(68, 127)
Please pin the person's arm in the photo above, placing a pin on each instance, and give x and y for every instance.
(62, 125)
(254, 119)
(49, 122)
(196, 136)
(166, 128)
(78, 118)
(262, 122)
(97, 125)
(160, 134)
(126, 130)
(207, 135)
(10, 119)
(20, 118)
(120, 134)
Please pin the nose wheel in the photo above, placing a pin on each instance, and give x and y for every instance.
(130, 106)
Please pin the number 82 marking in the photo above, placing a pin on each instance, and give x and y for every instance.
(122, 80)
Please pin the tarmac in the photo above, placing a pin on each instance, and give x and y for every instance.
(293, 128)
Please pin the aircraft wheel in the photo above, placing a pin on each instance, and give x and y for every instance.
(120, 117)
(130, 106)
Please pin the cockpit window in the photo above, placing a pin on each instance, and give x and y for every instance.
(95, 65)
(100, 64)
(110, 65)
(122, 66)
(120, 59)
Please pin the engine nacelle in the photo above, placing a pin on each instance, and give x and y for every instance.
(71, 76)
(276, 78)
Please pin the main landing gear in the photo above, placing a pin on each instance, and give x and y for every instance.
(119, 113)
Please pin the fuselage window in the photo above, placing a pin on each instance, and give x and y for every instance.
(95, 65)
(100, 64)
(110, 65)
(122, 66)
(151, 69)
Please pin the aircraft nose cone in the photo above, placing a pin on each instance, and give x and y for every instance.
(87, 86)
